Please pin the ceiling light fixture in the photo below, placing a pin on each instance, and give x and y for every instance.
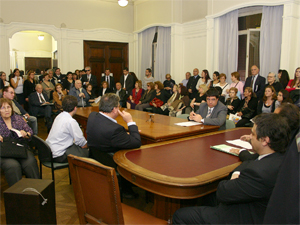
(41, 37)
(123, 3)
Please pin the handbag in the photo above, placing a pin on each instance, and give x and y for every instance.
(157, 101)
(13, 148)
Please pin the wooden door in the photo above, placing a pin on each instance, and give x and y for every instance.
(33, 63)
(101, 55)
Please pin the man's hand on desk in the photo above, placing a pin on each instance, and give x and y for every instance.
(235, 175)
(245, 138)
(126, 116)
(195, 117)
(235, 150)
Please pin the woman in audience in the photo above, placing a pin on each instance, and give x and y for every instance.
(75, 77)
(267, 103)
(77, 72)
(58, 96)
(215, 79)
(29, 84)
(48, 87)
(159, 97)
(283, 77)
(223, 84)
(172, 102)
(282, 97)
(295, 83)
(68, 82)
(146, 98)
(235, 78)
(17, 83)
(90, 91)
(200, 98)
(13, 168)
(233, 101)
(205, 79)
(135, 96)
(104, 88)
(247, 108)
(272, 82)
(184, 97)
(3, 81)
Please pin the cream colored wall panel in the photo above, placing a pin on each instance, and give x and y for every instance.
(77, 14)
(75, 55)
(193, 10)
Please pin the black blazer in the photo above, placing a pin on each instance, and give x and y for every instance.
(93, 80)
(147, 97)
(129, 83)
(122, 94)
(276, 85)
(235, 103)
(60, 79)
(112, 84)
(191, 84)
(101, 90)
(250, 111)
(244, 200)
(107, 136)
(34, 102)
(259, 85)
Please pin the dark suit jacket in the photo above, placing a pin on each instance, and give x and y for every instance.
(35, 104)
(244, 200)
(60, 79)
(112, 84)
(276, 85)
(93, 80)
(129, 83)
(101, 90)
(218, 116)
(104, 135)
(259, 85)
(191, 84)
(122, 94)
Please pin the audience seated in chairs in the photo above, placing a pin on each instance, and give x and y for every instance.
(184, 97)
(136, 95)
(211, 112)
(68, 82)
(247, 108)
(168, 84)
(80, 93)
(235, 78)
(233, 101)
(267, 103)
(172, 103)
(215, 80)
(146, 98)
(58, 96)
(48, 87)
(200, 98)
(282, 97)
(121, 93)
(283, 77)
(294, 83)
(13, 168)
(272, 82)
(104, 89)
(91, 93)
(66, 136)
(39, 105)
(159, 98)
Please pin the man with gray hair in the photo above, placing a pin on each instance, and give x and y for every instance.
(88, 78)
(273, 82)
(52, 79)
(105, 136)
(80, 93)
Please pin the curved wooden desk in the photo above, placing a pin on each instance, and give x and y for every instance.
(162, 129)
(180, 169)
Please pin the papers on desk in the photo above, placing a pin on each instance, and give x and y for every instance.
(97, 99)
(187, 124)
(240, 143)
(224, 148)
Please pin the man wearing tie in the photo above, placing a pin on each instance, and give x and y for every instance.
(109, 79)
(211, 112)
(256, 82)
(191, 84)
(88, 78)
(39, 104)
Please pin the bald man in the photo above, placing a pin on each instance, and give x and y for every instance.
(191, 84)
(256, 82)
(80, 93)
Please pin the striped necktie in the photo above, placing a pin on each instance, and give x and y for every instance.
(208, 113)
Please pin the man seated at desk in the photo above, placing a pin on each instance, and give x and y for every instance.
(243, 199)
(105, 136)
(211, 112)
(80, 93)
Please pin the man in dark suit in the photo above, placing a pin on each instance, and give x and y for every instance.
(127, 81)
(191, 84)
(105, 136)
(39, 104)
(211, 112)
(256, 82)
(109, 79)
(59, 76)
(244, 198)
(88, 78)
(121, 93)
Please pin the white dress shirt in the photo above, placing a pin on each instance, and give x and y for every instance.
(64, 132)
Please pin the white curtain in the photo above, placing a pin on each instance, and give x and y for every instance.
(228, 43)
(270, 39)
(163, 53)
(146, 38)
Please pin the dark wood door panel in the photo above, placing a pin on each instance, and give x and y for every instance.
(33, 63)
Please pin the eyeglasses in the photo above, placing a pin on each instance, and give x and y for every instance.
(211, 99)
(87, 70)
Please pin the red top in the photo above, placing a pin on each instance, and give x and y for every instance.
(291, 88)
(137, 96)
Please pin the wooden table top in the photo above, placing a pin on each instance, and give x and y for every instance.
(162, 129)
(180, 168)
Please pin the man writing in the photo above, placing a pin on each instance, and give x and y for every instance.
(66, 136)
(244, 197)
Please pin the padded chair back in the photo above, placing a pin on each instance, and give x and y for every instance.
(230, 124)
(44, 150)
(96, 191)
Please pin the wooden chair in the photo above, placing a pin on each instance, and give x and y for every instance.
(45, 157)
(96, 191)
